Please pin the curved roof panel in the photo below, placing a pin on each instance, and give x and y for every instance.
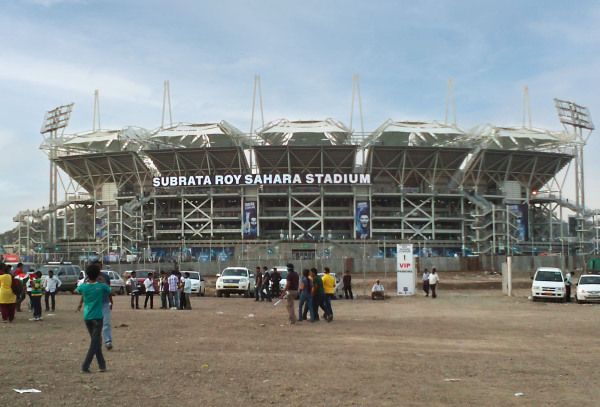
(304, 133)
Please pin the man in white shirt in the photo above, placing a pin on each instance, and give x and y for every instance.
(377, 291)
(568, 283)
(187, 290)
(149, 284)
(433, 280)
(50, 285)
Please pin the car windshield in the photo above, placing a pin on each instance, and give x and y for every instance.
(235, 272)
(46, 269)
(193, 276)
(590, 280)
(555, 276)
(282, 273)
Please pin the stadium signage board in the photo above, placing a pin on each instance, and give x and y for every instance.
(260, 179)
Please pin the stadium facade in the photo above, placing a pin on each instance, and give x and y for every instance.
(200, 191)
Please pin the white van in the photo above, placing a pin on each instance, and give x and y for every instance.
(548, 282)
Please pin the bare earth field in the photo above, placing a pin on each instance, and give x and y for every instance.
(470, 347)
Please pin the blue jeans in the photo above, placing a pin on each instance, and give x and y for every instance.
(163, 299)
(327, 303)
(306, 298)
(174, 298)
(94, 327)
(106, 327)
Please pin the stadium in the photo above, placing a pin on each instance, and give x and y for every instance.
(309, 190)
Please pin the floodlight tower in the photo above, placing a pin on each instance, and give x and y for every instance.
(577, 117)
(54, 121)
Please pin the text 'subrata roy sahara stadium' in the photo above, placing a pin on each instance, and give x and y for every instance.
(186, 190)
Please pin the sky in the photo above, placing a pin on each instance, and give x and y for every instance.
(55, 52)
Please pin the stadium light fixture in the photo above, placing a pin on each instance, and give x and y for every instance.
(571, 114)
(56, 119)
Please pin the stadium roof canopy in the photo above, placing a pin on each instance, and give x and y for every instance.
(304, 133)
(126, 169)
(101, 141)
(199, 161)
(425, 134)
(520, 138)
(183, 135)
(305, 159)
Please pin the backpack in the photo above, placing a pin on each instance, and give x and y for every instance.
(17, 287)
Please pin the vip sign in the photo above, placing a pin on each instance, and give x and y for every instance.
(405, 269)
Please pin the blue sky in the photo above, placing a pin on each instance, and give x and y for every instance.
(55, 52)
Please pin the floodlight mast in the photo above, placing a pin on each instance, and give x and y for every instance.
(577, 117)
(54, 120)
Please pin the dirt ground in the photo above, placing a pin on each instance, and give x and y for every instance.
(469, 347)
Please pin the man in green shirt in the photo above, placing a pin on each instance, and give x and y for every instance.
(93, 293)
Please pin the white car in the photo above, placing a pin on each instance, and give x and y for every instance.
(338, 290)
(548, 282)
(235, 280)
(117, 284)
(588, 288)
(198, 284)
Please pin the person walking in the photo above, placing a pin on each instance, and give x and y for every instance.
(348, 285)
(92, 293)
(425, 281)
(290, 292)
(318, 293)
(149, 284)
(187, 290)
(329, 287)
(265, 291)
(7, 296)
(135, 291)
(306, 296)
(173, 295)
(50, 285)
(24, 278)
(258, 284)
(36, 297)
(433, 280)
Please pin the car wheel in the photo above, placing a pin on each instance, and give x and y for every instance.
(227, 295)
(202, 293)
(563, 299)
(534, 299)
(577, 300)
(219, 294)
(251, 293)
(121, 291)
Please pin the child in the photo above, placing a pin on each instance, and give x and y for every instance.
(93, 295)
(36, 297)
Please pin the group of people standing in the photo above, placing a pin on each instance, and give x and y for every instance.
(174, 289)
(18, 285)
(315, 292)
(267, 284)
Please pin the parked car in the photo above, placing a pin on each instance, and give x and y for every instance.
(548, 282)
(117, 284)
(198, 284)
(140, 275)
(588, 288)
(235, 280)
(338, 290)
(67, 273)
